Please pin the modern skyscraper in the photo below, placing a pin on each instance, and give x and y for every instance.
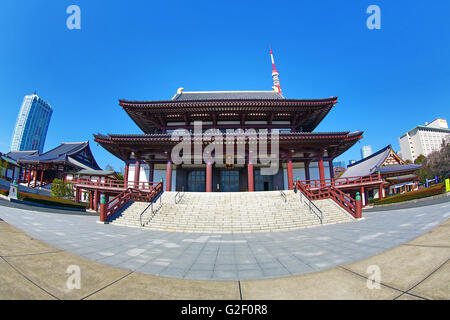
(424, 139)
(366, 151)
(31, 125)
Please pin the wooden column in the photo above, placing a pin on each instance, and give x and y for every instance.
(35, 177)
(91, 200)
(321, 173)
(380, 191)
(125, 178)
(137, 171)
(42, 177)
(169, 175)
(363, 197)
(250, 173)
(330, 164)
(95, 200)
(307, 174)
(208, 177)
(152, 172)
(290, 174)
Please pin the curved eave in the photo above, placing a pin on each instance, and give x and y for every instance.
(336, 142)
(245, 102)
(149, 114)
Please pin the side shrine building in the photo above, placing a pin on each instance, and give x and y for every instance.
(301, 154)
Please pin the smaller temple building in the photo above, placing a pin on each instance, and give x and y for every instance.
(397, 175)
(39, 170)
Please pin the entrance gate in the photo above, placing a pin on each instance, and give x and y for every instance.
(229, 180)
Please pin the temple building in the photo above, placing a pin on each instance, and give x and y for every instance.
(302, 154)
(398, 176)
(62, 162)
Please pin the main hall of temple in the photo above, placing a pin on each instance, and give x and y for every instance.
(303, 153)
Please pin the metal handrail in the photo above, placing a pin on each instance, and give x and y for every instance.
(153, 211)
(180, 194)
(312, 208)
(283, 195)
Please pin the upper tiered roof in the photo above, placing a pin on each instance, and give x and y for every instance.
(229, 109)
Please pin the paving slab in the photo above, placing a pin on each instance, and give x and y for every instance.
(15, 242)
(404, 266)
(13, 286)
(138, 287)
(332, 284)
(436, 286)
(50, 271)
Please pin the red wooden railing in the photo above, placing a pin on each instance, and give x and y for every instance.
(346, 202)
(114, 184)
(130, 194)
(342, 182)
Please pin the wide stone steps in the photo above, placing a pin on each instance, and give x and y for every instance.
(230, 212)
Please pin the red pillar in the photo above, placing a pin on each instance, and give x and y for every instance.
(380, 191)
(251, 181)
(42, 177)
(208, 177)
(290, 174)
(330, 164)
(307, 175)
(137, 171)
(358, 206)
(152, 172)
(125, 178)
(169, 175)
(91, 200)
(103, 203)
(35, 177)
(363, 197)
(95, 200)
(321, 173)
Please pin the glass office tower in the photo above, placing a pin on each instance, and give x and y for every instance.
(31, 125)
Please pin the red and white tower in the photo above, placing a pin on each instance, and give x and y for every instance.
(275, 75)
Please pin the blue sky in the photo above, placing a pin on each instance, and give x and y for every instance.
(388, 81)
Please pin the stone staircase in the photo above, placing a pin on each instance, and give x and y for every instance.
(231, 212)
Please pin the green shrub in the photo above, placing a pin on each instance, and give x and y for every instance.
(413, 195)
(61, 189)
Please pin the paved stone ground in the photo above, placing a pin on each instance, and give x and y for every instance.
(228, 256)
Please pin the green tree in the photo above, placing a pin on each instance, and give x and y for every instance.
(62, 190)
(3, 167)
(436, 164)
(419, 159)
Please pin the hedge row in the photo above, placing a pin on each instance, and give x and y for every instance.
(413, 195)
(46, 200)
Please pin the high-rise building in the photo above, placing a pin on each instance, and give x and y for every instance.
(366, 151)
(31, 125)
(424, 139)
